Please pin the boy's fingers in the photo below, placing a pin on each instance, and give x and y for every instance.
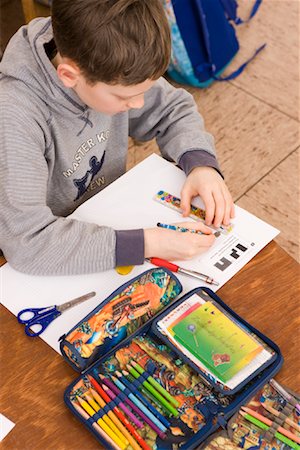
(232, 211)
(228, 207)
(220, 208)
(185, 203)
(209, 207)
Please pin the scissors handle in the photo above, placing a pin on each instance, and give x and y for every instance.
(41, 317)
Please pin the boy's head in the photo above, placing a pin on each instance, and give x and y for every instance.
(116, 42)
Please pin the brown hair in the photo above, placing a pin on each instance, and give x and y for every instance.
(114, 41)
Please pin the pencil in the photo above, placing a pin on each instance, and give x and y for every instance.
(138, 403)
(99, 430)
(134, 387)
(102, 424)
(269, 422)
(263, 426)
(106, 417)
(288, 397)
(120, 394)
(154, 383)
(118, 413)
(151, 389)
(278, 413)
(146, 393)
(109, 396)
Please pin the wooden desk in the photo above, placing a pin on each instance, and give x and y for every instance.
(33, 376)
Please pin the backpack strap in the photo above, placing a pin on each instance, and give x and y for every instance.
(230, 8)
(236, 73)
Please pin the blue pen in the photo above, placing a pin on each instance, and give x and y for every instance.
(133, 388)
(138, 403)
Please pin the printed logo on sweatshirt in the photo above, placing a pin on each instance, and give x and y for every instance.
(83, 150)
(86, 183)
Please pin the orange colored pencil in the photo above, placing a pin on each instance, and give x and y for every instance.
(269, 422)
(277, 414)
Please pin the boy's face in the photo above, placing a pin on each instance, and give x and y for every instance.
(102, 97)
(112, 99)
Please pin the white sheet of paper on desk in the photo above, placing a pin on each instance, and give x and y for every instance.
(6, 426)
(127, 204)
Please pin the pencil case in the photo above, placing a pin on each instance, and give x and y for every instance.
(165, 400)
(240, 433)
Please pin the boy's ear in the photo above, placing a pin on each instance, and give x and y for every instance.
(68, 73)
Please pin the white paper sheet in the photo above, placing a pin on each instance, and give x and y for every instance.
(128, 203)
(6, 426)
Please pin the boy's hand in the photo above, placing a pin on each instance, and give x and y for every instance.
(176, 245)
(210, 186)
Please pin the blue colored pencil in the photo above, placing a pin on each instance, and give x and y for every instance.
(138, 403)
(133, 388)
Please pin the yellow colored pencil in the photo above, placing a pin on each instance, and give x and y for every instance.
(106, 418)
(85, 405)
(113, 417)
(99, 430)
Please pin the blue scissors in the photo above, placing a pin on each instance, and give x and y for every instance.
(42, 317)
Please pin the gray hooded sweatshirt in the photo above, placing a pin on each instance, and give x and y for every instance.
(56, 153)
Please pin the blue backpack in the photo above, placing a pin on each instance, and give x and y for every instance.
(204, 40)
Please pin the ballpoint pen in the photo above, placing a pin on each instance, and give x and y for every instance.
(174, 268)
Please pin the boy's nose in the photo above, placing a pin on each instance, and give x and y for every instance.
(136, 102)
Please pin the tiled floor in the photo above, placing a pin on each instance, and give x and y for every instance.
(255, 119)
(255, 122)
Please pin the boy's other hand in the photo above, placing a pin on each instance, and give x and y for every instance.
(176, 245)
(210, 186)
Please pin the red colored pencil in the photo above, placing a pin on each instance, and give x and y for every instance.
(118, 413)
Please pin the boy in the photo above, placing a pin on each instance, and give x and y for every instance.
(72, 89)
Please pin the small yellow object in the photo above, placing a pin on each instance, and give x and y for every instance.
(124, 270)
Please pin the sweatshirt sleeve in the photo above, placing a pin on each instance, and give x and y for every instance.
(32, 238)
(170, 115)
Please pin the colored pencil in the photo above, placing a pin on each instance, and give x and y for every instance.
(288, 397)
(156, 394)
(134, 388)
(279, 413)
(99, 430)
(154, 383)
(119, 424)
(120, 394)
(102, 424)
(122, 418)
(138, 403)
(105, 417)
(263, 426)
(269, 422)
(127, 411)
(146, 393)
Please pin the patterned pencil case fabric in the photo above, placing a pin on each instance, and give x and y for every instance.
(241, 433)
(119, 316)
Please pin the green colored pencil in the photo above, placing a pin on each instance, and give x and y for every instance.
(151, 389)
(148, 395)
(263, 426)
(154, 383)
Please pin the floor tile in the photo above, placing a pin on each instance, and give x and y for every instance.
(274, 75)
(276, 199)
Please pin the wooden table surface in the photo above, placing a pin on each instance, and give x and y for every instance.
(33, 376)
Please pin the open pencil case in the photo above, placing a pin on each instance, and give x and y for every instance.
(167, 401)
(240, 433)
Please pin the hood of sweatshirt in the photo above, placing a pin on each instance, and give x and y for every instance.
(27, 60)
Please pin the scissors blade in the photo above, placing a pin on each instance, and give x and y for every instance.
(76, 301)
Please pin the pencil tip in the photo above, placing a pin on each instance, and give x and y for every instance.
(125, 372)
